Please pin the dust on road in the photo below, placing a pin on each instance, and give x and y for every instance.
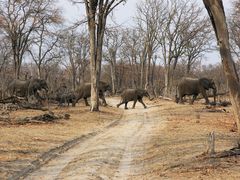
(163, 141)
(111, 154)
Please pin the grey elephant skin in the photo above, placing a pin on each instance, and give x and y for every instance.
(67, 97)
(36, 85)
(133, 95)
(84, 91)
(18, 87)
(63, 95)
(26, 88)
(194, 86)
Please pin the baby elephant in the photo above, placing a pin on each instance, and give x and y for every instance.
(133, 95)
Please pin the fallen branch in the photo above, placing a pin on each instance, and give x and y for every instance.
(210, 108)
(232, 152)
(27, 105)
(47, 117)
(211, 95)
(22, 103)
(12, 99)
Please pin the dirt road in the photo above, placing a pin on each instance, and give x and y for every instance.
(164, 141)
(116, 153)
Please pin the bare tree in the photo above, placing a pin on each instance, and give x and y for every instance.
(5, 53)
(83, 56)
(113, 41)
(181, 27)
(97, 13)
(19, 19)
(5, 59)
(198, 45)
(148, 19)
(44, 41)
(75, 47)
(217, 15)
(234, 27)
(130, 50)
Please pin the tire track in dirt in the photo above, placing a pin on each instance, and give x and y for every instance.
(108, 155)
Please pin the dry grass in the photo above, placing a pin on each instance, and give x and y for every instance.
(20, 144)
(185, 141)
(176, 154)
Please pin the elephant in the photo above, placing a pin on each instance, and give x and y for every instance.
(133, 95)
(36, 85)
(194, 86)
(27, 88)
(67, 97)
(59, 92)
(18, 87)
(84, 91)
(63, 95)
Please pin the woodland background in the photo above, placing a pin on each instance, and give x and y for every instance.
(168, 41)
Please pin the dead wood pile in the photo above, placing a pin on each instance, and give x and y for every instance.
(43, 118)
(14, 103)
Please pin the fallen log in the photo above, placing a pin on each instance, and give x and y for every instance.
(12, 99)
(22, 103)
(27, 105)
(232, 152)
(44, 118)
(211, 95)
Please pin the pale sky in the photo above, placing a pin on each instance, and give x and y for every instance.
(123, 15)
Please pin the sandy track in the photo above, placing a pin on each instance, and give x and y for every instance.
(112, 154)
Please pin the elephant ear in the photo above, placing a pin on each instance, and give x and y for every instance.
(205, 83)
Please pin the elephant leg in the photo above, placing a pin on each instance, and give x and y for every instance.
(86, 102)
(180, 100)
(205, 97)
(75, 102)
(126, 105)
(193, 98)
(119, 104)
(141, 101)
(103, 99)
(134, 103)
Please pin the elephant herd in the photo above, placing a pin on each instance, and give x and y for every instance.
(34, 87)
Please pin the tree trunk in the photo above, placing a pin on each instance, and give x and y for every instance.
(17, 67)
(148, 71)
(143, 62)
(93, 64)
(96, 64)
(18, 71)
(149, 53)
(217, 15)
(166, 80)
(74, 77)
(142, 73)
(113, 76)
(188, 68)
(39, 71)
(113, 70)
(152, 73)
